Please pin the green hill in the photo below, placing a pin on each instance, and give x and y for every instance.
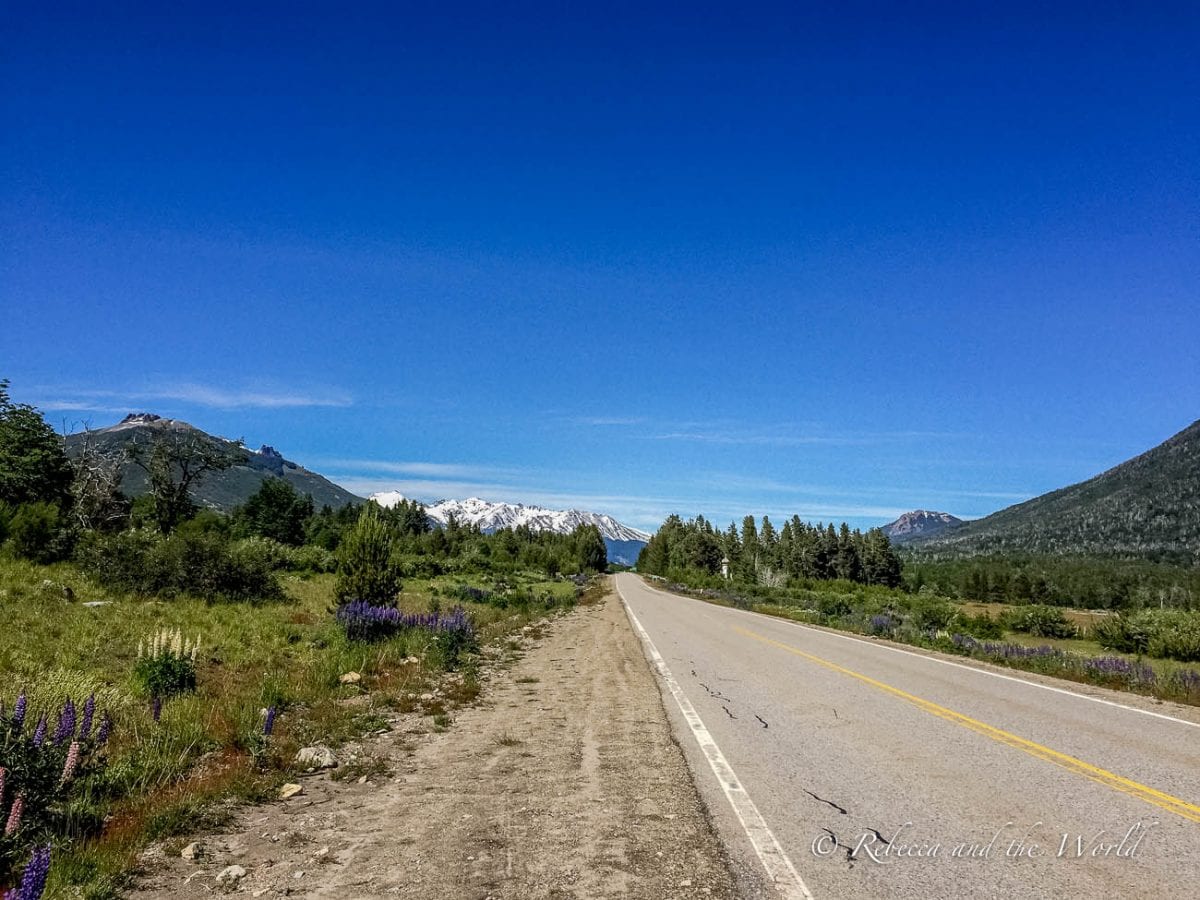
(219, 490)
(1147, 508)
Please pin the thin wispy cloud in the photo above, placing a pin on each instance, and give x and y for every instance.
(609, 421)
(750, 437)
(419, 469)
(209, 396)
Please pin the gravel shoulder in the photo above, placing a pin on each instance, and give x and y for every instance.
(563, 781)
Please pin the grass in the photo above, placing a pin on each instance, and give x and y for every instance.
(207, 751)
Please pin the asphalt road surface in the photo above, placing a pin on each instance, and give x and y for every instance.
(842, 767)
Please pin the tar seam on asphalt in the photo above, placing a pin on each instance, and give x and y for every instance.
(840, 809)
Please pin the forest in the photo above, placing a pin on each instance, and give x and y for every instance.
(761, 554)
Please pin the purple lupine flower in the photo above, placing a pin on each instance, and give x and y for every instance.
(269, 723)
(89, 711)
(33, 881)
(367, 622)
(105, 730)
(18, 716)
(3, 778)
(14, 816)
(66, 723)
(39, 733)
(156, 708)
(71, 764)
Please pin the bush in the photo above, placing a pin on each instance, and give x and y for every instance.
(1121, 633)
(933, 614)
(44, 763)
(34, 533)
(310, 558)
(982, 626)
(168, 665)
(1042, 621)
(203, 565)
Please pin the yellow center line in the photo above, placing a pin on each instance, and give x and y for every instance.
(1094, 773)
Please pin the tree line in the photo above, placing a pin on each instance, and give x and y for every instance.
(54, 507)
(762, 554)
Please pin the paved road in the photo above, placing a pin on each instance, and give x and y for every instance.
(840, 767)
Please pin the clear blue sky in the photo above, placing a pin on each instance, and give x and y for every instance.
(841, 262)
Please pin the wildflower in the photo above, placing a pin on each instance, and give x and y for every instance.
(18, 716)
(269, 724)
(105, 730)
(39, 733)
(66, 723)
(14, 816)
(33, 881)
(71, 764)
(3, 777)
(156, 708)
(89, 711)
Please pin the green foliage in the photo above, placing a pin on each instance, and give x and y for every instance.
(202, 565)
(174, 462)
(982, 626)
(932, 613)
(1042, 621)
(1122, 633)
(366, 568)
(166, 675)
(1167, 634)
(275, 511)
(33, 464)
(796, 552)
(1058, 581)
(590, 548)
(35, 532)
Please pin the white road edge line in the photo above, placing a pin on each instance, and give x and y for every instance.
(779, 868)
(944, 662)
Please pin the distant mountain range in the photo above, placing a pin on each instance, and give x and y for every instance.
(218, 490)
(1148, 507)
(920, 523)
(624, 543)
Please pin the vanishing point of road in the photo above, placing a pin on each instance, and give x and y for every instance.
(842, 767)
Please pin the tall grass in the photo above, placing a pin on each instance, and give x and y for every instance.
(165, 776)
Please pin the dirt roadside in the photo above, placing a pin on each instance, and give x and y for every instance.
(564, 781)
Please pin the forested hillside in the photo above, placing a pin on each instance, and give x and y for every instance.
(1146, 508)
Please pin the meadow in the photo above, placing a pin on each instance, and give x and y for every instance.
(180, 761)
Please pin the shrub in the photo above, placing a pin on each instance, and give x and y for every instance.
(43, 765)
(1042, 621)
(932, 614)
(1173, 633)
(201, 564)
(166, 665)
(982, 626)
(310, 558)
(366, 569)
(1121, 633)
(34, 533)
(834, 605)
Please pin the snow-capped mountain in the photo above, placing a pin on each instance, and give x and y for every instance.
(491, 516)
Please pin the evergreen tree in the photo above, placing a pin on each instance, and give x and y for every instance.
(277, 511)
(366, 569)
